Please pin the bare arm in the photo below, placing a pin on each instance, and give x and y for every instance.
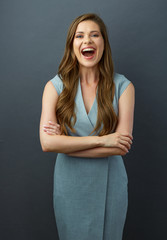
(60, 143)
(126, 110)
(99, 152)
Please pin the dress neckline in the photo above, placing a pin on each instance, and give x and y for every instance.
(87, 113)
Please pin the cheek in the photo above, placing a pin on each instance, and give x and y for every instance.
(76, 46)
(100, 46)
(101, 50)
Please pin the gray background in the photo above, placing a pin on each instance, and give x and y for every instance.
(32, 43)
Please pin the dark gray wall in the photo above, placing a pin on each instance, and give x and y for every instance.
(32, 42)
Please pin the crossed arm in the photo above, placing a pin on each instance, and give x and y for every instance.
(117, 143)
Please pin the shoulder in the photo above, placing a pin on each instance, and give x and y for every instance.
(53, 88)
(57, 83)
(121, 84)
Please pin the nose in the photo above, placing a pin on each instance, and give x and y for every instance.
(87, 39)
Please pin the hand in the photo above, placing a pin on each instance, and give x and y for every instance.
(118, 140)
(52, 128)
(119, 151)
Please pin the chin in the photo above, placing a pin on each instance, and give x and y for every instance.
(88, 64)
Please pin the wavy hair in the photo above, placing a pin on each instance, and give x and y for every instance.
(69, 73)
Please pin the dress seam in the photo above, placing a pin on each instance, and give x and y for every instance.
(105, 201)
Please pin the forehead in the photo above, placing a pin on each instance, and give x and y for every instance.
(87, 26)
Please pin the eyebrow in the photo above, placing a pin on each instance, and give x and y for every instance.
(90, 32)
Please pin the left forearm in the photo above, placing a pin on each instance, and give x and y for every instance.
(98, 152)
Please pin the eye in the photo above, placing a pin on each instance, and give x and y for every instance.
(95, 35)
(78, 36)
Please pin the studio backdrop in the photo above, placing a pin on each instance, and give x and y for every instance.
(33, 35)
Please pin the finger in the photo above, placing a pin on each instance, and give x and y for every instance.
(46, 131)
(49, 127)
(119, 151)
(128, 135)
(49, 130)
(51, 122)
(54, 124)
(123, 147)
(55, 133)
(127, 139)
(50, 133)
(125, 143)
(123, 153)
(46, 127)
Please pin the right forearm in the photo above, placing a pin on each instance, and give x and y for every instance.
(68, 144)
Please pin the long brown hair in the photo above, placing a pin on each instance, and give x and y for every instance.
(69, 73)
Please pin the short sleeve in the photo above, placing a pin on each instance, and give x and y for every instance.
(57, 83)
(121, 83)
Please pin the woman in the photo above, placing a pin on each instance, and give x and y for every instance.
(87, 118)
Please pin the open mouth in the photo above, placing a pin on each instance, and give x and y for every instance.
(88, 52)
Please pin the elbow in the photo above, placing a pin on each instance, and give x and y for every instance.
(45, 142)
(48, 144)
(45, 149)
(45, 146)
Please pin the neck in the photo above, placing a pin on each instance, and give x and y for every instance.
(89, 75)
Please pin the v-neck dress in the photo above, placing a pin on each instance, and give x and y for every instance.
(90, 194)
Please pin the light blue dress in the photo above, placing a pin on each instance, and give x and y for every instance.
(90, 194)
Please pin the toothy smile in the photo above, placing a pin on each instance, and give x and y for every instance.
(88, 52)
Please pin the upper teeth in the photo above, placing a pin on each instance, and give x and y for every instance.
(87, 49)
